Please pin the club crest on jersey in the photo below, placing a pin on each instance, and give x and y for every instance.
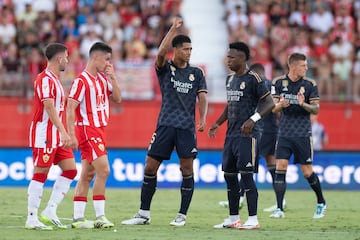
(302, 90)
(101, 147)
(191, 77)
(242, 85)
(45, 158)
(285, 84)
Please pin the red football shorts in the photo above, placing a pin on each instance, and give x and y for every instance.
(45, 157)
(91, 142)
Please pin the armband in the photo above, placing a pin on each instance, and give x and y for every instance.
(255, 117)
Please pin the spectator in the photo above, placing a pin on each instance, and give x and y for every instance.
(7, 31)
(12, 77)
(28, 15)
(236, 18)
(321, 20)
(323, 69)
(319, 135)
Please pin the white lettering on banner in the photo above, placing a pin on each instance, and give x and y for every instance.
(208, 172)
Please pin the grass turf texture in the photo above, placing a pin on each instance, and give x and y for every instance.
(341, 220)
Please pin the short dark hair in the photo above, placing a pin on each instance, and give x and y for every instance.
(296, 57)
(54, 48)
(241, 46)
(257, 67)
(179, 40)
(100, 46)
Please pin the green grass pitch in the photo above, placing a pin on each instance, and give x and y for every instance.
(340, 222)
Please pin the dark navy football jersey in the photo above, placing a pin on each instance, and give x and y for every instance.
(268, 123)
(294, 120)
(179, 89)
(243, 94)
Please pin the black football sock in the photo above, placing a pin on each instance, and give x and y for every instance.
(315, 185)
(187, 190)
(233, 189)
(271, 169)
(148, 189)
(251, 193)
(280, 187)
(242, 191)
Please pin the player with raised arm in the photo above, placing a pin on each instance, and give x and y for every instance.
(48, 139)
(181, 84)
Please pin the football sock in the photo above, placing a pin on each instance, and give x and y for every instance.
(148, 189)
(251, 193)
(242, 191)
(280, 187)
(99, 205)
(79, 207)
(187, 190)
(60, 188)
(233, 189)
(315, 185)
(271, 169)
(35, 191)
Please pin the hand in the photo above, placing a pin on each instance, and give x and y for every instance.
(284, 102)
(247, 127)
(74, 143)
(65, 139)
(178, 22)
(212, 130)
(201, 126)
(109, 70)
(300, 98)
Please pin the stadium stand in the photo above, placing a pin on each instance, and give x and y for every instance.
(327, 31)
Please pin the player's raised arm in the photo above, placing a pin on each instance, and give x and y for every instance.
(166, 42)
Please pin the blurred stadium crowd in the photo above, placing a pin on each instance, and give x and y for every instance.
(327, 31)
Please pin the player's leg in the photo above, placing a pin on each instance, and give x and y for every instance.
(247, 163)
(160, 148)
(271, 166)
(148, 189)
(80, 195)
(282, 155)
(304, 156)
(232, 184)
(102, 172)
(186, 148)
(42, 161)
(280, 185)
(65, 160)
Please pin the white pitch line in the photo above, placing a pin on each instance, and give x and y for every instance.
(11, 227)
(20, 216)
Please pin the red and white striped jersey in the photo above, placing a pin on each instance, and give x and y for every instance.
(43, 133)
(92, 93)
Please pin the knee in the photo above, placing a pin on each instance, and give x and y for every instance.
(87, 176)
(70, 174)
(104, 173)
(186, 171)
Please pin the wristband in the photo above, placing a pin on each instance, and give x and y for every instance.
(255, 117)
